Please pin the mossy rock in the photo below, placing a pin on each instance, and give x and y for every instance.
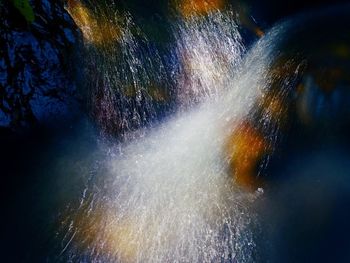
(25, 8)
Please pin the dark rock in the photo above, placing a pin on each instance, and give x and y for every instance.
(37, 69)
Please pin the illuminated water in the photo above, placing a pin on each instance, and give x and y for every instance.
(167, 194)
(182, 158)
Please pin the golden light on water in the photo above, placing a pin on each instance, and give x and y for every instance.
(190, 8)
(96, 30)
(120, 238)
(246, 147)
(274, 107)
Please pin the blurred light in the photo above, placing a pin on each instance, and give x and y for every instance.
(189, 8)
(246, 147)
(97, 30)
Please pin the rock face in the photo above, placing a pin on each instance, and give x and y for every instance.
(38, 40)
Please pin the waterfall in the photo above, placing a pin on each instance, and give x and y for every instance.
(171, 193)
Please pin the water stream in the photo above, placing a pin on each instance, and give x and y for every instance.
(168, 193)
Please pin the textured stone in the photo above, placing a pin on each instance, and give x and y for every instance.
(37, 69)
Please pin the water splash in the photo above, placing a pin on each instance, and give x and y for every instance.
(210, 50)
(169, 196)
(126, 80)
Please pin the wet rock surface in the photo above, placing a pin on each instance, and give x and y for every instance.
(38, 42)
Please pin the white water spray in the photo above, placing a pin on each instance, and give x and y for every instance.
(168, 196)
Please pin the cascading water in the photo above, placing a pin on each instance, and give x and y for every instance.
(170, 195)
(210, 50)
(126, 75)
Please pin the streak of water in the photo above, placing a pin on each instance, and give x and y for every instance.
(169, 196)
(127, 85)
(210, 50)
